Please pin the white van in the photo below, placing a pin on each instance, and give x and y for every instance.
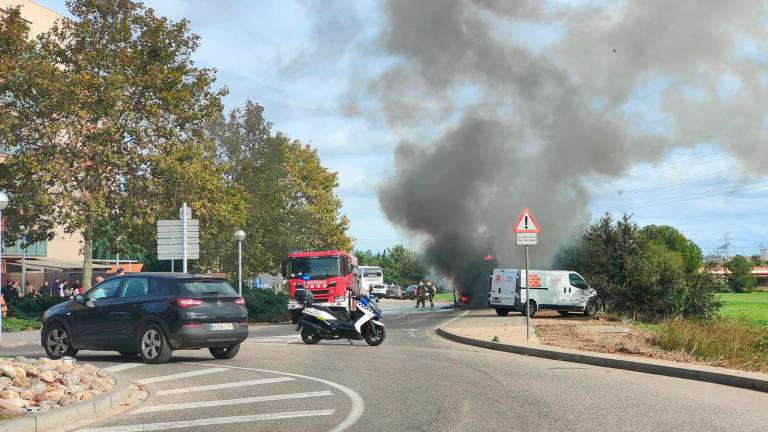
(370, 276)
(560, 290)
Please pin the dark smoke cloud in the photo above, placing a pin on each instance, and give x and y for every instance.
(490, 123)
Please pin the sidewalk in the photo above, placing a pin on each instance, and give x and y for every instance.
(20, 339)
(479, 327)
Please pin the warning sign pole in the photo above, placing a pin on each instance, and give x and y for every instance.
(527, 299)
(527, 230)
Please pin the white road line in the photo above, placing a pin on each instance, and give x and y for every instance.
(180, 375)
(410, 332)
(224, 386)
(210, 421)
(270, 340)
(228, 402)
(358, 404)
(453, 319)
(122, 367)
(397, 317)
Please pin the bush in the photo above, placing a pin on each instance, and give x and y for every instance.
(733, 343)
(32, 308)
(266, 306)
(741, 279)
(12, 324)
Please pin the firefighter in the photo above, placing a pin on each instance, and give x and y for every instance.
(421, 294)
(431, 291)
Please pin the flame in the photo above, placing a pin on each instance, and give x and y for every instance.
(487, 257)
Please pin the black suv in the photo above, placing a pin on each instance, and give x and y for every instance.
(150, 315)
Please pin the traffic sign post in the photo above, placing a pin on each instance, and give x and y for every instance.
(527, 231)
(179, 239)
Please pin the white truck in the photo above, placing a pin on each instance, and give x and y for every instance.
(370, 276)
(560, 290)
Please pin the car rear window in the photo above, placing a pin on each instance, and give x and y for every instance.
(203, 287)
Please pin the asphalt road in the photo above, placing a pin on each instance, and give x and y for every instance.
(415, 381)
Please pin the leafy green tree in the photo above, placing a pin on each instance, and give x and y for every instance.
(401, 266)
(102, 111)
(289, 194)
(647, 273)
(740, 277)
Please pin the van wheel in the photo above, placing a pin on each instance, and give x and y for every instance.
(590, 309)
(153, 346)
(564, 313)
(502, 312)
(532, 306)
(57, 342)
(226, 352)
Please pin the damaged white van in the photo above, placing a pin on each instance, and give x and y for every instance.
(560, 290)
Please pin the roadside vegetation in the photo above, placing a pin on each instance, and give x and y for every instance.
(13, 324)
(650, 279)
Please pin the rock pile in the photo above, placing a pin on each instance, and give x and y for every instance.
(48, 384)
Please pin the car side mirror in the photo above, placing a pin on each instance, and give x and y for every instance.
(90, 303)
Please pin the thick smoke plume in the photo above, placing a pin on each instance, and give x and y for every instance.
(505, 105)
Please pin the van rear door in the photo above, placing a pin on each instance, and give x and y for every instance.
(503, 284)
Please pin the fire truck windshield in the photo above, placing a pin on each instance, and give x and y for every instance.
(316, 268)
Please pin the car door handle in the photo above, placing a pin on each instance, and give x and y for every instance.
(569, 290)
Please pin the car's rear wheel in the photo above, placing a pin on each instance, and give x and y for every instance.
(309, 335)
(226, 352)
(153, 345)
(57, 342)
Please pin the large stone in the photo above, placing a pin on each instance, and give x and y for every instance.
(7, 405)
(54, 395)
(38, 386)
(4, 381)
(69, 380)
(8, 371)
(20, 372)
(47, 376)
(30, 370)
(22, 381)
(66, 400)
(8, 394)
(64, 368)
(40, 397)
(27, 394)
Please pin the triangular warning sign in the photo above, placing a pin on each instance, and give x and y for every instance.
(526, 223)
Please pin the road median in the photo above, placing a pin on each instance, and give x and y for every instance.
(57, 418)
(461, 333)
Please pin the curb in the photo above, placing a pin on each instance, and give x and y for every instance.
(29, 344)
(77, 411)
(710, 376)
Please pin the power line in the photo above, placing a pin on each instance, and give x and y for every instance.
(699, 195)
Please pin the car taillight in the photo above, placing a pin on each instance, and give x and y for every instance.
(240, 301)
(186, 302)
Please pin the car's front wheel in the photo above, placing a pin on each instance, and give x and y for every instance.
(226, 352)
(153, 345)
(58, 342)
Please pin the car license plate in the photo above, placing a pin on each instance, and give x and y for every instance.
(221, 326)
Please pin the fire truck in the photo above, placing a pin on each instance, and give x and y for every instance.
(331, 273)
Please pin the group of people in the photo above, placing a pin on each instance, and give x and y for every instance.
(425, 291)
(57, 288)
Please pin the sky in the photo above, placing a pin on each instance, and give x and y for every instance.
(276, 53)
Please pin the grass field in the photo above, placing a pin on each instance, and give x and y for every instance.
(748, 305)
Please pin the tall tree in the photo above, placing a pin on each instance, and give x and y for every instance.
(98, 106)
(740, 277)
(290, 195)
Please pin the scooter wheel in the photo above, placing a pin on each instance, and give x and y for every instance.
(309, 336)
(374, 335)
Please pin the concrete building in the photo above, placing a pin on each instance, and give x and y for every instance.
(64, 252)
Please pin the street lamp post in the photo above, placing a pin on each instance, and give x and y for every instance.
(3, 204)
(239, 237)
